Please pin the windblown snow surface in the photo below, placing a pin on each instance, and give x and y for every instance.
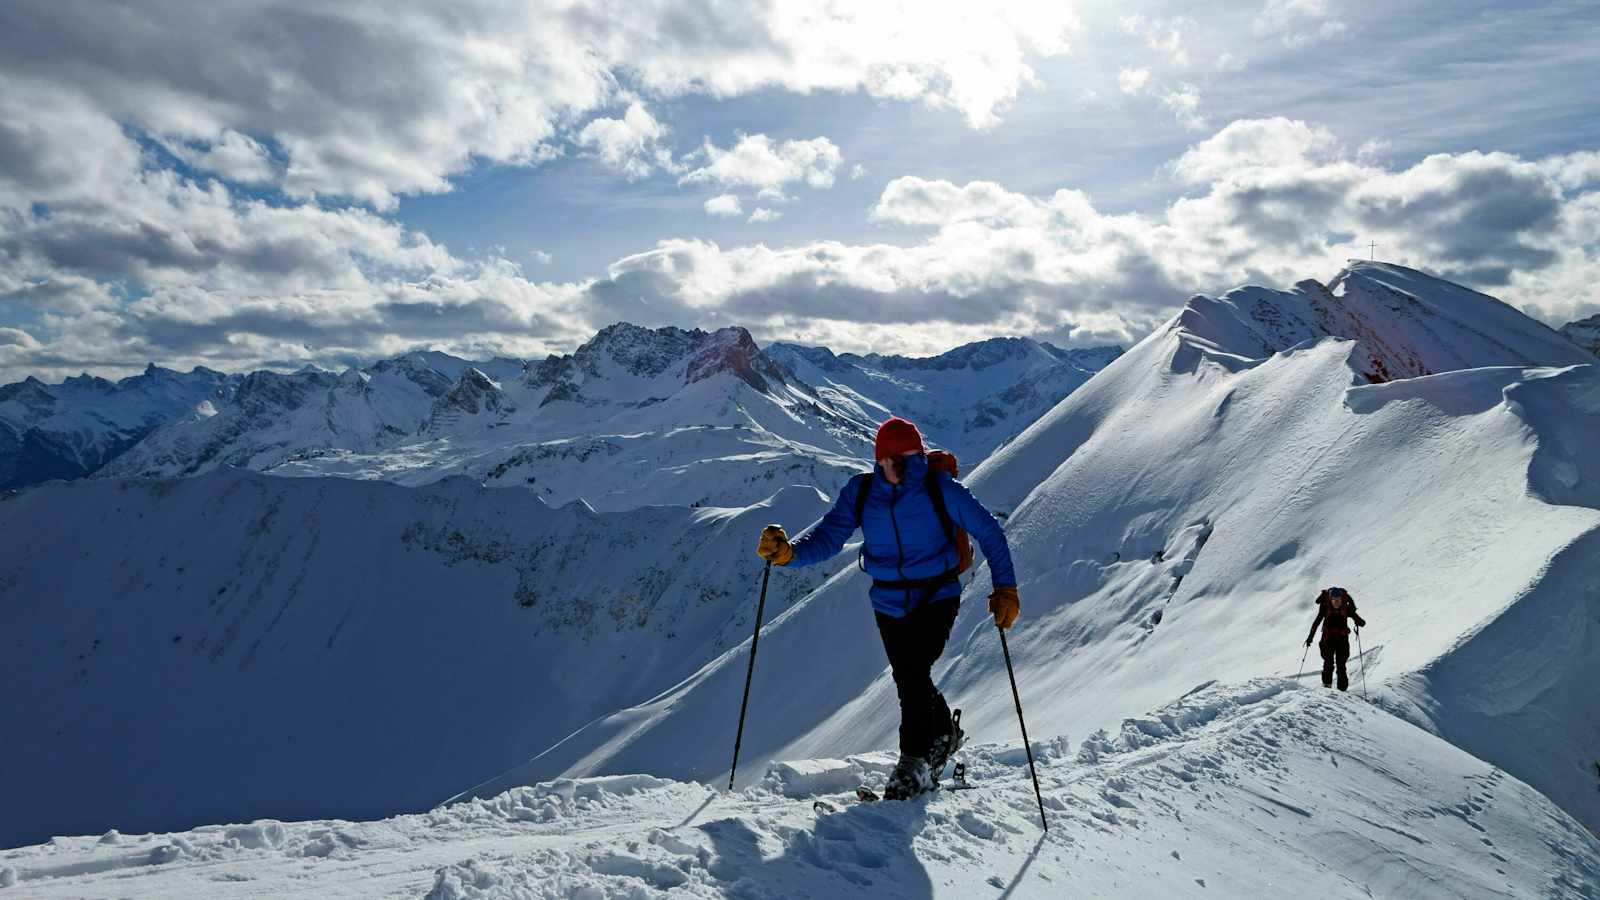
(1265, 789)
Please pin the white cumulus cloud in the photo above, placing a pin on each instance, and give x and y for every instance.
(724, 205)
(769, 167)
(631, 144)
(233, 282)
(1132, 81)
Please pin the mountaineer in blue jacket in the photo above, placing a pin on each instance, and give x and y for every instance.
(912, 519)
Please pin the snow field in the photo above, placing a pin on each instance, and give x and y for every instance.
(1259, 789)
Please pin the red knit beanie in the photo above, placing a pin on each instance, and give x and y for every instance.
(896, 436)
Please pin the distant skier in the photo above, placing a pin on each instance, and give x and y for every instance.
(912, 551)
(1336, 609)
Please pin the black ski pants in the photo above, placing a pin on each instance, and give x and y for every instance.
(914, 643)
(1335, 653)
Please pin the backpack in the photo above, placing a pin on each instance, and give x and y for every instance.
(1336, 622)
(938, 461)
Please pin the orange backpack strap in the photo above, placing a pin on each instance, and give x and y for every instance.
(944, 461)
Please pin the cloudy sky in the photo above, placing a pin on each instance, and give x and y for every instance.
(273, 183)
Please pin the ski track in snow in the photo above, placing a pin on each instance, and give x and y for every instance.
(1261, 789)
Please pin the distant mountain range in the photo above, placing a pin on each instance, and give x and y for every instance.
(633, 416)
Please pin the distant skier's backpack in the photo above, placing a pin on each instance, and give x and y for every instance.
(938, 461)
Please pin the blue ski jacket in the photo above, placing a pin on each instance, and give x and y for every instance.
(903, 538)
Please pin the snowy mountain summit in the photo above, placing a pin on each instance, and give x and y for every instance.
(1585, 333)
(1405, 324)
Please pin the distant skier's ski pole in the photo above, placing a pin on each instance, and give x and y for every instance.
(761, 608)
(1363, 657)
(1017, 698)
(1303, 662)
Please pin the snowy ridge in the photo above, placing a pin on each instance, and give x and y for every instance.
(1173, 520)
(1260, 789)
(1405, 324)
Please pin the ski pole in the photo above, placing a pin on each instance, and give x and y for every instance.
(1363, 656)
(1017, 698)
(1302, 670)
(750, 674)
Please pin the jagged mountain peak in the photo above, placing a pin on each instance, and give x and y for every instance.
(260, 389)
(474, 392)
(86, 382)
(1406, 324)
(732, 349)
(1585, 333)
(634, 351)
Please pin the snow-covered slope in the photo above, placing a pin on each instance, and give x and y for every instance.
(1257, 790)
(1585, 333)
(969, 400)
(71, 429)
(1173, 519)
(235, 645)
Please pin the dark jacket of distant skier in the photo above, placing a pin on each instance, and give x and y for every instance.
(916, 589)
(1336, 609)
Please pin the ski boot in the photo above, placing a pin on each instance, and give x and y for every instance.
(911, 777)
(946, 745)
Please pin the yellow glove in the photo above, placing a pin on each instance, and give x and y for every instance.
(1005, 606)
(774, 546)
